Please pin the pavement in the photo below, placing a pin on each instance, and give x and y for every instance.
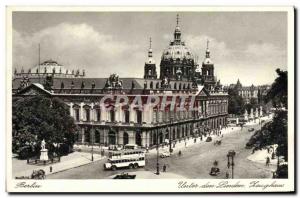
(73, 160)
(190, 142)
(260, 156)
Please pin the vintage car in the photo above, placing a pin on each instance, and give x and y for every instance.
(214, 171)
(124, 176)
(208, 139)
(251, 129)
(165, 154)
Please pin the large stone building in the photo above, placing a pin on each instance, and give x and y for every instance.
(204, 107)
(248, 93)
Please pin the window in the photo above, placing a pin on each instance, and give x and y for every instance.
(139, 116)
(87, 115)
(98, 115)
(77, 118)
(127, 114)
(112, 115)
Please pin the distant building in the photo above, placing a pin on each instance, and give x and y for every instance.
(250, 92)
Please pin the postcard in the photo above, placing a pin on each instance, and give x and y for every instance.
(150, 99)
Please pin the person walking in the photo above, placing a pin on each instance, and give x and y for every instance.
(227, 175)
(164, 168)
(268, 161)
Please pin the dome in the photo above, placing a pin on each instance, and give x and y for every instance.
(177, 52)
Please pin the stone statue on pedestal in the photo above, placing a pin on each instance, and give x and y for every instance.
(44, 151)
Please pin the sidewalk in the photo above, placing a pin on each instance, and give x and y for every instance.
(76, 159)
(260, 156)
(190, 142)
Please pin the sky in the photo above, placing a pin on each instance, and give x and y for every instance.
(244, 45)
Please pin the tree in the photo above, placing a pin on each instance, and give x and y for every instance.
(39, 117)
(278, 91)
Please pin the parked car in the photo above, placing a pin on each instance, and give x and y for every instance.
(251, 129)
(214, 171)
(165, 154)
(124, 176)
(208, 139)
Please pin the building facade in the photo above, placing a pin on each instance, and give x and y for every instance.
(248, 93)
(198, 105)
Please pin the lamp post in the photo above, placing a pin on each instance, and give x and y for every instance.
(157, 157)
(230, 162)
(92, 139)
(170, 135)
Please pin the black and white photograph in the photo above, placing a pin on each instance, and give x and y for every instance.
(183, 99)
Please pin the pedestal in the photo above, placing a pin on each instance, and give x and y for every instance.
(44, 155)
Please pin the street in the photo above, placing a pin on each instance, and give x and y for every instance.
(194, 163)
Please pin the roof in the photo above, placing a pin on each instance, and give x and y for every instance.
(75, 84)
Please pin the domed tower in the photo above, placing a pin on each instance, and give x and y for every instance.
(208, 70)
(177, 61)
(150, 67)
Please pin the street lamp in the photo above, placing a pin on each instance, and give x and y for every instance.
(157, 157)
(92, 139)
(170, 135)
(230, 155)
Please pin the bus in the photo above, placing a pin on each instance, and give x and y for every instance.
(114, 164)
(126, 154)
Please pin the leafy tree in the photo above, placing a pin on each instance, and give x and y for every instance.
(278, 92)
(37, 118)
(275, 132)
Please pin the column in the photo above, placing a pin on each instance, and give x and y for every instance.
(82, 135)
(105, 135)
(131, 115)
(131, 137)
(144, 139)
(81, 111)
(92, 113)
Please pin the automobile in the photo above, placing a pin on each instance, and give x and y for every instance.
(208, 139)
(165, 154)
(214, 171)
(131, 146)
(124, 176)
(251, 129)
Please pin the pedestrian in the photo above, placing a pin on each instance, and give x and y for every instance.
(185, 144)
(227, 175)
(51, 169)
(268, 161)
(164, 168)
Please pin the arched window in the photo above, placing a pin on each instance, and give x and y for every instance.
(112, 115)
(87, 111)
(97, 113)
(139, 116)
(157, 85)
(127, 116)
(151, 85)
(76, 109)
